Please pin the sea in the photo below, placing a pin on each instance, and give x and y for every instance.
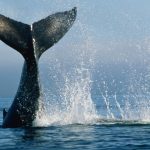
(90, 126)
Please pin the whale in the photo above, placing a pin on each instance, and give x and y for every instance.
(31, 41)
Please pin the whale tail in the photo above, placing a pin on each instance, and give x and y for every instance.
(37, 38)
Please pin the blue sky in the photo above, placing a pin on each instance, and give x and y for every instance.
(114, 29)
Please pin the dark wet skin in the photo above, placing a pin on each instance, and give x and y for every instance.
(31, 42)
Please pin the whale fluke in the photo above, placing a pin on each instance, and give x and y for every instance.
(39, 36)
(50, 30)
(31, 42)
(15, 34)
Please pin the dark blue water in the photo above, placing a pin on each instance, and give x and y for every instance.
(99, 135)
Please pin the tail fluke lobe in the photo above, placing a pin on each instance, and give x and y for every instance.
(50, 30)
(36, 39)
(15, 34)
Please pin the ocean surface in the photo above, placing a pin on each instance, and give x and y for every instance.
(102, 133)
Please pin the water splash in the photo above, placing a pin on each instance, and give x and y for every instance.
(81, 107)
(73, 100)
(75, 105)
(121, 111)
(133, 107)
(107, 102)
(137, 105)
